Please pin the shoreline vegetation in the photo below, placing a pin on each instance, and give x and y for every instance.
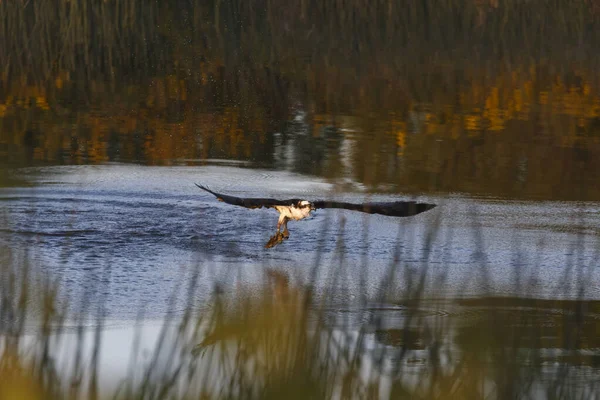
(110, 39)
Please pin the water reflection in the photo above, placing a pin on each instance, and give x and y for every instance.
(524, 134)
(192, 85)
(559, 331)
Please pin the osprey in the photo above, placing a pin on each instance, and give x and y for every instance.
(297, 209)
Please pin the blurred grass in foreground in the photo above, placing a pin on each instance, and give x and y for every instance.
(281, 340)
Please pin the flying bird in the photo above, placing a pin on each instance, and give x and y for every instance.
(298, 209)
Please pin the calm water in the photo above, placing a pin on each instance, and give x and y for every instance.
(137, 232)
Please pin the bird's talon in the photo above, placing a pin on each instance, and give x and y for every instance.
(276, 239)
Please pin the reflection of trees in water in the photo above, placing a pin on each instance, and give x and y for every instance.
(315, 149)
(474, 139)
(212, 87)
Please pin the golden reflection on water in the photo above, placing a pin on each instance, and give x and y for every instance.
(503, 101)
(524, 132)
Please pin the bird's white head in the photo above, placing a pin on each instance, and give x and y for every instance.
(305, 207)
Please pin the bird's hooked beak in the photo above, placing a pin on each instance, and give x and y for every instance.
(312, 207)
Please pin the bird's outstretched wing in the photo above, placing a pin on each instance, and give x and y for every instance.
(248, 202)
(392, 209)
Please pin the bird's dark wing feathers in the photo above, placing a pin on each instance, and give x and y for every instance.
(392, 209)
(248, 202)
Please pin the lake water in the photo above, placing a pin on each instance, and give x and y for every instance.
(138, 232)
(132, 238)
